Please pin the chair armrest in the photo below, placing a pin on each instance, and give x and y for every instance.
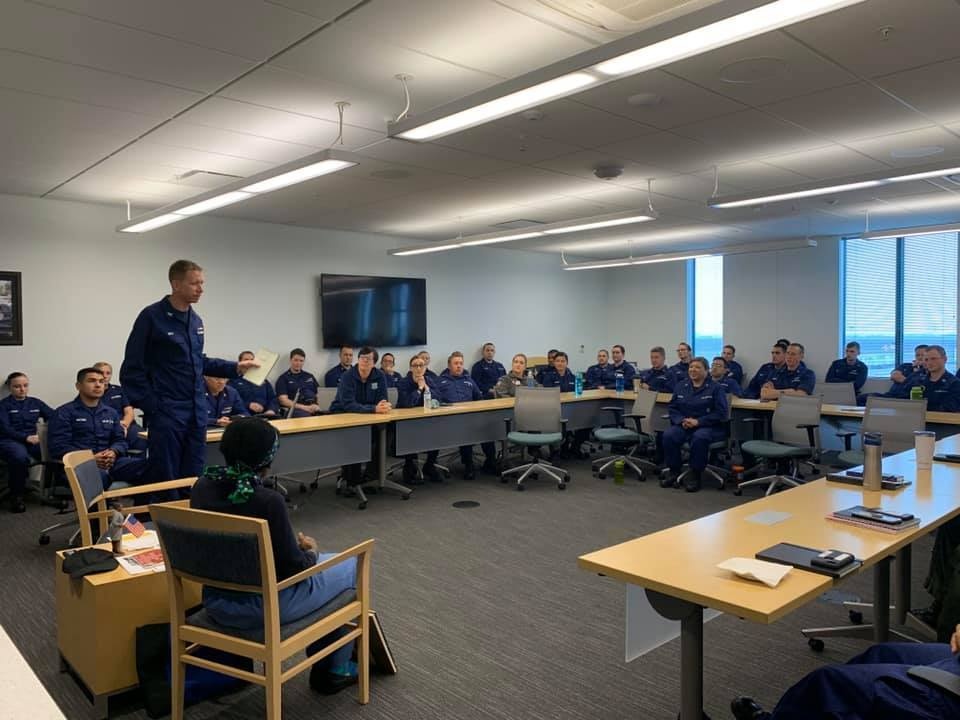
(364, 548)
(148, 488)
(847, 436)
(811, 438)
(508, 422)
(618, 414)
(563, 425)
(946, 681)
(753, 420)
(636, 417)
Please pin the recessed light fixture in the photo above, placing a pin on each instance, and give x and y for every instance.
(645, 99)
(693, 254)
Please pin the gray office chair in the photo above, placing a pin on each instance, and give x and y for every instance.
(895, 419)
(837, 393)
(631, 439)
(717, 472)
(795, 438)
(536, 422)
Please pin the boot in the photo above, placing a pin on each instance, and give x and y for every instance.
(691, 483)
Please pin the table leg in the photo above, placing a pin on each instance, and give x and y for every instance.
(881, 600)
(691, 650)
(382, 481)
(901, 587)
(101, 707)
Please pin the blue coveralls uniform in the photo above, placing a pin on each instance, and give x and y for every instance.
(393, 378)
(18, 421)
(227, 404)
(410, 396)
(730, 386)
(290, 382)
(599, 376)
(250, 393)
(552, 378)
(452, 389)
(659, 379)
(802, 378)
(735, 370)
(162, 374)
(680, 373)
(707, 404)
(356, 395)
(628, 371)
(942, 395)
(875, 684)
(75, 426)
(332, 377)
(843, 372)
(115, 397)
(485, 374)
(764, 374)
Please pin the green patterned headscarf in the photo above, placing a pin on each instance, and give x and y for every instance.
(248, 445)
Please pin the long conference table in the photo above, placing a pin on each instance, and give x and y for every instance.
(677, 567)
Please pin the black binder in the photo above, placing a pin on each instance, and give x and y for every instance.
(799, 557)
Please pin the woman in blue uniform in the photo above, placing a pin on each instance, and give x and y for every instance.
(19, 442)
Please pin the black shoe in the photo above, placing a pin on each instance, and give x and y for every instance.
(16, 504)
(328, 683)
(468, 472)
(490, 467)
(431, 473)
(410, 474)
(691, 483)
(746, 708)
(667, 479)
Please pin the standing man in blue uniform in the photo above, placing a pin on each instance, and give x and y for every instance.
(619, 366)
(297, 380)
(223, 402)
(455, 385)
(362, 389)
(410, 393)
(679, 370)
(767, 371)
(658, 377)
(87, 423)
(849, 368)
(794, 377)
(720, 374)
(940, 387)
(333, 375)
(698, 411)
(257, 399)
(486, 371)
(599, 376)
(735, 369)
(115, 397)
(387, 364)
(162, 374)
(19, 440)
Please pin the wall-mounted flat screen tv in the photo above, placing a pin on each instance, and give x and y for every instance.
(379, 311)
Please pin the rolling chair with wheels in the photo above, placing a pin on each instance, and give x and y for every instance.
(895, 419)
(837, 394)
(624, 437)
(795, 438)
(536, 422)
(717, 472)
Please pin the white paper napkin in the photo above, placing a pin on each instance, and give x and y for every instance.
(768, 573)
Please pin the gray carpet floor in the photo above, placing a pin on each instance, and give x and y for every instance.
(485, 608)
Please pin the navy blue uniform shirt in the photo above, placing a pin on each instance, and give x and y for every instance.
(629, 373)
(729, 385)
(598, 376)
(452, 389)
(842, 372)
(228, 403)
(333, 375)
(289, 382)
(354, 394)
(735, 370)
(18, 418)
(250, 393)
(800, 379)
(765, 373)
(707, 403)
(566, 382)
(164, 364)
(393, 378)
(409, 394)
(75, 426)
(115, 397)
(659, 379)
(942, 395)
(680, 373)
(485, 375)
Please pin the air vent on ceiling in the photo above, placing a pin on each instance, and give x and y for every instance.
(517, 224)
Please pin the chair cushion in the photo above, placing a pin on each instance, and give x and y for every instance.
(616, 435)
(524, 438)
(767, 449)
(203, 620)
(851, 457)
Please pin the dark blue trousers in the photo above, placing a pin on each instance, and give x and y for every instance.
(176, 447)
(19, 457)
(872, 685)
(699, 440)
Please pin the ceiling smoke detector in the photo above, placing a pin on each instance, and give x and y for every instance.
(608, 172)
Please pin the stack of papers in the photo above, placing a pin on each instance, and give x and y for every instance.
(146, 561)
(770, 574)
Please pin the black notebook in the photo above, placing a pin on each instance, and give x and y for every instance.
(799, 556)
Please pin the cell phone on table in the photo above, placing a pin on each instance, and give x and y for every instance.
(832, 559)
(882, 517)
(947, 457)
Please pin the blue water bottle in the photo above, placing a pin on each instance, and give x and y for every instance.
(578, 385)
(619, 377)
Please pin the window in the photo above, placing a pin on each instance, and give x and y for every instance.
(707, 315)
(900, 293)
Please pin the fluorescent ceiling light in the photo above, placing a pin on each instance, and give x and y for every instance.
(296, 171)
(423, 250)
(911, 231)
(724, 32)
(693, 254)
(598, 266)
(925, 175)
(812, 192)
(501, 107)
(506, 238)
(600, 224)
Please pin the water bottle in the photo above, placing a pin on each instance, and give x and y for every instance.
(427, 399)
(530, 381)
(916, 392)
(619, 377)
(872, 461)
(578, 385)
(618, 472)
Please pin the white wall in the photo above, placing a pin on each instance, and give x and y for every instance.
(84, 283)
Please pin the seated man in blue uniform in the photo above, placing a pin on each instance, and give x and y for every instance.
(410, 392)
(901, 376)
(455, 385)
(849, 368)
(257, 399)
(223, 402)
(87, 423)
(295, 380)
(333, 375)
(387, 364)
(734, 368)
(19, 439)
(658, 377)
(115, 397)
(486, 371)
(874, 684)
(778, 359)
(794, 377)
(619, 366)
(540, 370)
(362, 389)
(940, 387)
(698, 412)
(598, 376)
(679, 370)
(720, 374)
(559, 375)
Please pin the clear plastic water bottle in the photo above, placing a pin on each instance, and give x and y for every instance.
(530, 381)
(619, 377)
(578, 385)
(427, 400)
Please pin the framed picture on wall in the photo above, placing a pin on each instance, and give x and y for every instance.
(11, 310)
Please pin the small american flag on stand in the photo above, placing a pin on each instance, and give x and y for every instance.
(133, 526)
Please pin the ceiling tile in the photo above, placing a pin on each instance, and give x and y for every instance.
(581, 125)
(751, 176)
(896, 149)
(507, 144)
(153, 154)
(751, 134)
(933, 89)
(183, 134)
(669, 151)
(435, 157)
(922, 32)
(325, 10)
(826, 162)
(582, 164)
(695, 188)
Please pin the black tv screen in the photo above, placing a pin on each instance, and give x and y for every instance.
(379, 311)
